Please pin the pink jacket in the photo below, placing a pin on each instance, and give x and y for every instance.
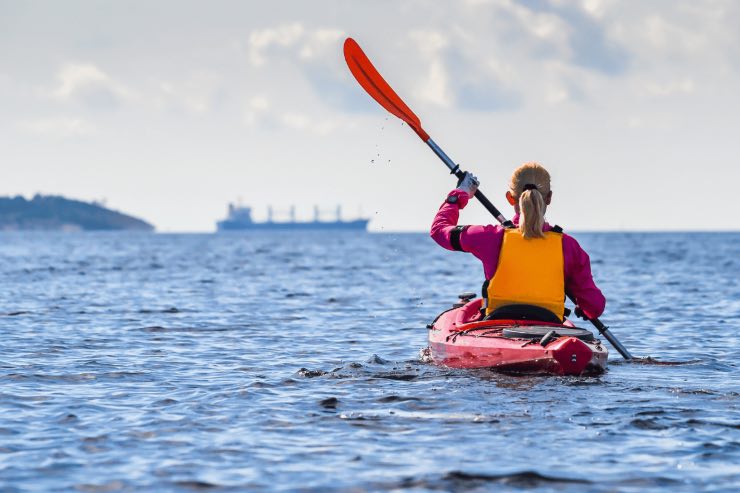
(485, 243)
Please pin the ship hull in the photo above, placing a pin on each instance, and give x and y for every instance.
(357, 225)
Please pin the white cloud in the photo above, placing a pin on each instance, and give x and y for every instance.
(300, 121)
(256, 109)
(685, 86)
(542, 27)
(503, 72)
(325, 127)
(313, 56)
(555, 95)
(295, 120)
(195, 93)
(635, 122)
(317, 42)
(57, 127)
(295, 41)
(259, 111)
(260, 40)
(87, 83)
(429, 43)
(660, 34)
(259, 103)
(596, 8)
(72, 77)
(434, 87)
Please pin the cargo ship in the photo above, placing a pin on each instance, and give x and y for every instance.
(240, 219)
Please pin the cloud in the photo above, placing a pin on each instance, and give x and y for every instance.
(300, 121)
(560, 30)
(337, 89)
(87, 84)
(454, 77)
(479, 87)
(595, 8)
(57, 127)
(295, 120)
(316, 54)
(197, 93)
(319, 41)
(591, 46)
(292, 39)
(434, 86)
(261, 40)
(259, 111)
(679, 87)
(256, 110)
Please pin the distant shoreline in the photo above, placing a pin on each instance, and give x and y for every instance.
(60, 214)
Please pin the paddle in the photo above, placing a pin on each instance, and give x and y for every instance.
(374, 84)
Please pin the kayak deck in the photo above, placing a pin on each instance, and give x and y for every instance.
(459, 338)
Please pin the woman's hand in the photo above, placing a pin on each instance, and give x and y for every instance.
(468, 184)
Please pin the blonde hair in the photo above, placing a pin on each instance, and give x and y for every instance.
(532, 206)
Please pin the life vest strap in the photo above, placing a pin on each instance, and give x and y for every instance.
(455, 237)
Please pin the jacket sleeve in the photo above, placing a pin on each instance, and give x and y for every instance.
(579, 282)
(445, 221)
(484, 242)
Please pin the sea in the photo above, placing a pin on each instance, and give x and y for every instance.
(291, 363)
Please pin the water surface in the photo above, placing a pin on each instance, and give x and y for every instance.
(291, 363)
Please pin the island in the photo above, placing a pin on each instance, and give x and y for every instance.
(56, 213)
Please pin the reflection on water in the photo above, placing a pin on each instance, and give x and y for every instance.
(275, 362)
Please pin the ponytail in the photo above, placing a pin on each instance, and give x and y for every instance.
(529, 186)
(532, 214)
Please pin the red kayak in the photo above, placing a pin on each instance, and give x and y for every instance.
(460, 338)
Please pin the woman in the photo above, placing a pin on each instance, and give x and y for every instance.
(530, 267)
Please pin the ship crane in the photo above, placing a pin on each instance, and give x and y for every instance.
(317, 213)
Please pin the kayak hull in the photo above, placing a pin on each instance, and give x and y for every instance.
(459, 338)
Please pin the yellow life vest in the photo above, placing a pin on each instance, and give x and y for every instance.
(530, 271)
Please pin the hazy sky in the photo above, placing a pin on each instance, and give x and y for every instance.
(168, 110)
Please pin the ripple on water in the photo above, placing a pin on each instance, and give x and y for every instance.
(253, 363)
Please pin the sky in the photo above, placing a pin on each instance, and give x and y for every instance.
(169, 110)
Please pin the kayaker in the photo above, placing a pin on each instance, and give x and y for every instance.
(529, 267)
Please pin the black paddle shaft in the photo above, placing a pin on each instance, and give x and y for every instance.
(604, 330)
(460, 174)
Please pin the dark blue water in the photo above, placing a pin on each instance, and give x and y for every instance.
(291, 363)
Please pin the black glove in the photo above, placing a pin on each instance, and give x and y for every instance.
(579, 313)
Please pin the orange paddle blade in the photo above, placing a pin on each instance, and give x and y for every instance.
(374, 84)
